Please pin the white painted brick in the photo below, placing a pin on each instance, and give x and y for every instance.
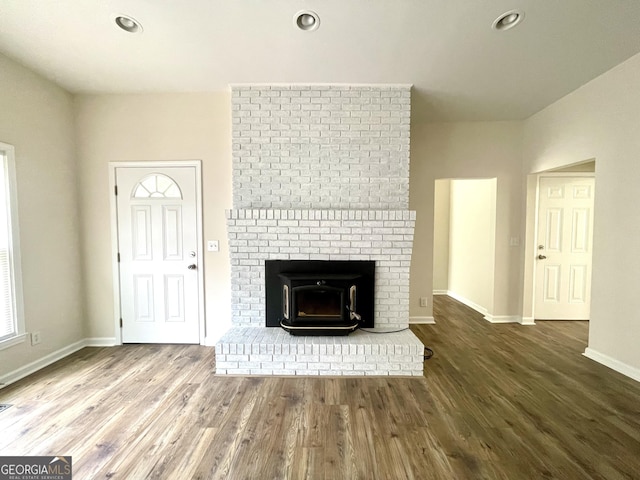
(332, 358)
(234, 358)
(324, 365)
(261, 357)
(248, 365)
(341, 366)
(297, 365)
(364, 366)
(370, 173)
(272, 365)
(307, 358)
(305, 127)
(226, 365)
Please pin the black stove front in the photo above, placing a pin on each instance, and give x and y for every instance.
(315, 297)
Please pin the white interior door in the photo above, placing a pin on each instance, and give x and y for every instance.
(157, 242)
(563, 255)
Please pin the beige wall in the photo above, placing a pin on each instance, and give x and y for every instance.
(583, 167)
(37, 119)
(472, 234)
(468, 150)
(113, 128)
(441, 217)
(601, 120)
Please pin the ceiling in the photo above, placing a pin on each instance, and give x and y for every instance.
(461, 69)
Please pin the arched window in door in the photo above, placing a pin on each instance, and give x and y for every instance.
(156, 185)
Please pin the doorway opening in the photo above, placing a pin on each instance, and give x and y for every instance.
(464, 241)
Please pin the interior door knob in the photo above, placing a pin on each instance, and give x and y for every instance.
(192, 266)
(541, 257)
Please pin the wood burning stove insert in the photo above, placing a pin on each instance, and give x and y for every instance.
(315, 297)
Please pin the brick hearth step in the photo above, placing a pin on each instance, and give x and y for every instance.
(272, 351)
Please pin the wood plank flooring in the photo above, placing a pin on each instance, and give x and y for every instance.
(496, 402)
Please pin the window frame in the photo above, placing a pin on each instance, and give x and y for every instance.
(8, 163)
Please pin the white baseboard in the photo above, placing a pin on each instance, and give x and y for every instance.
(39, 364)
(440, 292)
(422, 320)
(612, 363)
(487, 316)
(101, 342)
(53, 357)
(468, 303)
(503, 318)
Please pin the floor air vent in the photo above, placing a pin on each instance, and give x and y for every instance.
(4, 406)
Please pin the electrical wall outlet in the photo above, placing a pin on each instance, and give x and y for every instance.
(35, 338)
(423, 301)
(213, 246)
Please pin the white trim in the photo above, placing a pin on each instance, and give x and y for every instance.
(441, 292)
(612, 363)
(197, 164)
(14, 259)
(20, 373)
(422, 320)
(468, 303)
(101, 342)
(566, 174)
(15, 340)
(489, 317)
(528, 321)
(503, 318)
(115, 265)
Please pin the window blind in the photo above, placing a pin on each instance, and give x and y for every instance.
(8, 325)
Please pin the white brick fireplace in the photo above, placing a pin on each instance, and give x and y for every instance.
(320, 172)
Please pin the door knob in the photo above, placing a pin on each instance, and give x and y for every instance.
(541, 257)
(192, 266)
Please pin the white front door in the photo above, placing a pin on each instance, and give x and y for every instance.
(563, 251)
(158, 251)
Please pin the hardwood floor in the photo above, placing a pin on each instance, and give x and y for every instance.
(496, 402)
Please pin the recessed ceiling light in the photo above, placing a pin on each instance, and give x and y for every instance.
(508, 20)
(128, 24)
(306, 20)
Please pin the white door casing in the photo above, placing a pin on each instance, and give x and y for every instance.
(159, 250)
(564, 248)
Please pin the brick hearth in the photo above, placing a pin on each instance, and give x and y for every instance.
(272, 351)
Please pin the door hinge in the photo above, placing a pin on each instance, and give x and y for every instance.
(118, 257)
(121, 323)
(115, 190)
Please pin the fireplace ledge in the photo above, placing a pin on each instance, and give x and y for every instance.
(272, 351)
